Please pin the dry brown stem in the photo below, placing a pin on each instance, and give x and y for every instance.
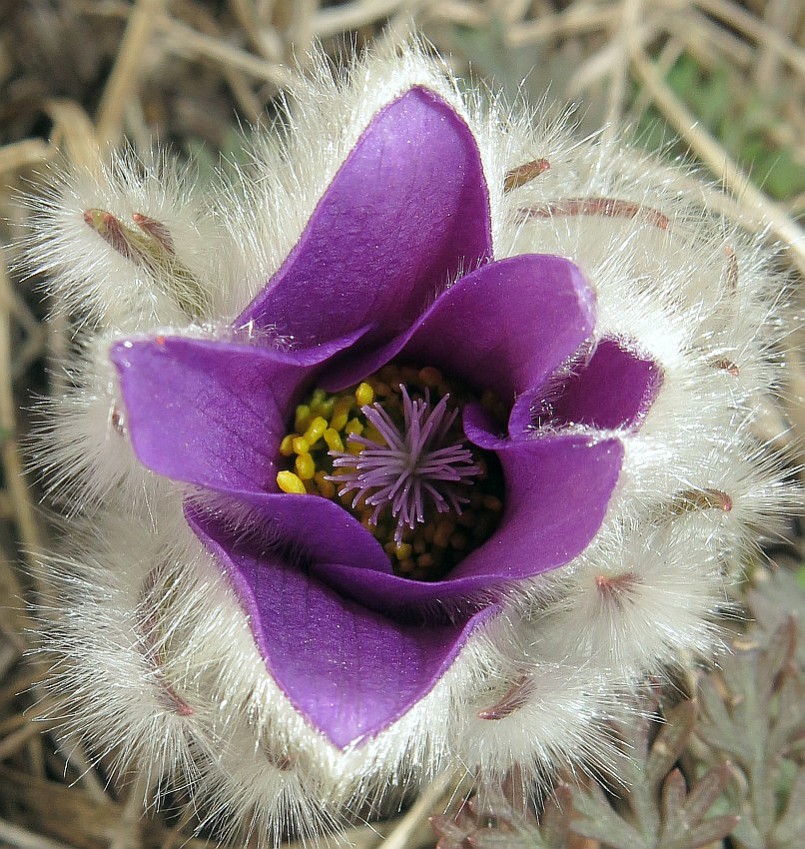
(735, 15)
(123, 80)
(717, 159)
(186, 41)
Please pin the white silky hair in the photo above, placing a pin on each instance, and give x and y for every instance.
(155, 666)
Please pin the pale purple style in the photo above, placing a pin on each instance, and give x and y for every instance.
(352, 645)
(413, 467)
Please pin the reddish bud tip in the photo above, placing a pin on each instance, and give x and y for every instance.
(523, 174)
(516, 698)
(728, 366)
(155, 229)
(606, 207)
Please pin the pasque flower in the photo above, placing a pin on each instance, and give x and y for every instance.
(351, 643)
(420, 442)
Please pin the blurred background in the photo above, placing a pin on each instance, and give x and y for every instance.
(720, 83)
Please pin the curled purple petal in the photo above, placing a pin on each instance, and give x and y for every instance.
(613, 389)
(208, 412)
(308, 530)
(350, 671)
(557, 492)
(504, 327)
(407, 213)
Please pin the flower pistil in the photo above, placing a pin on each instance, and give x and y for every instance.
(393, 452)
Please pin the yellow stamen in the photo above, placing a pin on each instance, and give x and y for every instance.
(430, 376)
(286, 446)
(316, 430)
(493, 503)
(364, 394)
(305, 467)
(371, 432)
(459, 541)
(326, 488)
(403, 551)
(333, 440)
(341, 413)
(443, 533)
(301, 418)
(300, 445)
(290, 483)
(354, 427)
(382, 389)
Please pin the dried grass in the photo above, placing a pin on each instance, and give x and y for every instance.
(183, 70)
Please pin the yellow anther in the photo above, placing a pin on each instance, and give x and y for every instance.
(458, 541)
(333, 440)
(300, 445)
(305, 467)
(371, 432)
(291, 483)
(443, 533)
(493, 503)
(364, 394)
(326, 488)
(403, 551)
(325, 409)
(286, 446)
(425, 561)
(354, 427)
(316, 430)
(301, 418)
(341, 412)
(382, 389)
(430, 376)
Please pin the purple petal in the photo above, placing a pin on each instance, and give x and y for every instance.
(613, 389)
(309, 528)
(557, 492)
(504, 327)
(407, 212)
(349, 671)
(209, 412)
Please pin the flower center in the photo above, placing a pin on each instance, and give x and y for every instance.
(392, 451)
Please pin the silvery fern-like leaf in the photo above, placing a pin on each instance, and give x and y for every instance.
(752, 712)
(495, 823)
(657, 810)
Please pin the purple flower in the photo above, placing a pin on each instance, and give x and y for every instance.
(394, 267)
